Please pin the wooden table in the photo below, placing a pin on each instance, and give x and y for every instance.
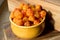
(49, 31)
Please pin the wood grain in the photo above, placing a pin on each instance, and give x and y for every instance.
(3, 6)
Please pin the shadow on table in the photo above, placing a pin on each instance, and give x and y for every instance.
(49, 24)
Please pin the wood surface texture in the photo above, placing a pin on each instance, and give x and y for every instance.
(2, 6)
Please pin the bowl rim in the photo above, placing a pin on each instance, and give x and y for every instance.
(26, 26)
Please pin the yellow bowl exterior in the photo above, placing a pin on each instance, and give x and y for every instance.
(27, 32)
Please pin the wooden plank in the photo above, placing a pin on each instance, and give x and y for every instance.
(3, 6)
(56, 2)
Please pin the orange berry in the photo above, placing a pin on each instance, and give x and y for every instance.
(23, 12)
(25, 19)
(43, 13)
(18, 14)
(29, 12)
(31, 18)
(18, 22)
(38, 7)
(21, 6)
(33, 7)
(25, 7)
(40, 19)
(12, 15)
(36, 22)
(27, 23)
(36, 14)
